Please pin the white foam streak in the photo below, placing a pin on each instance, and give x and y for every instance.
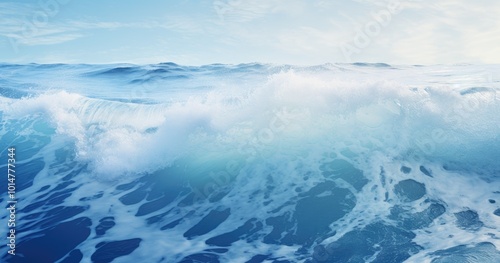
(119, 138)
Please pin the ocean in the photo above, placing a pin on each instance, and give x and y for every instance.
(363, 162)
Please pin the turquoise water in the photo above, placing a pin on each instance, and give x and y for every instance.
(253, 162)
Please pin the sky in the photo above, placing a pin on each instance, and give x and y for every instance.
(299, 32)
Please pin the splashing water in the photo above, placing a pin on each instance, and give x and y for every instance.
(253, 162)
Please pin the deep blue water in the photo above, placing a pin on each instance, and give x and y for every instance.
(252, 163)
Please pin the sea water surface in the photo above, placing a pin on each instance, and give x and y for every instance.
(252, 163)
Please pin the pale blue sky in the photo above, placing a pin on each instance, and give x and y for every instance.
(236, 31)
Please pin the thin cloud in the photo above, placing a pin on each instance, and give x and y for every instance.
(292, 31)
(47, 35)
(240, 11)
(450, 32)
(177, 23)
(17, 28)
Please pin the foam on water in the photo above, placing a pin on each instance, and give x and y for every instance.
(286, 162)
